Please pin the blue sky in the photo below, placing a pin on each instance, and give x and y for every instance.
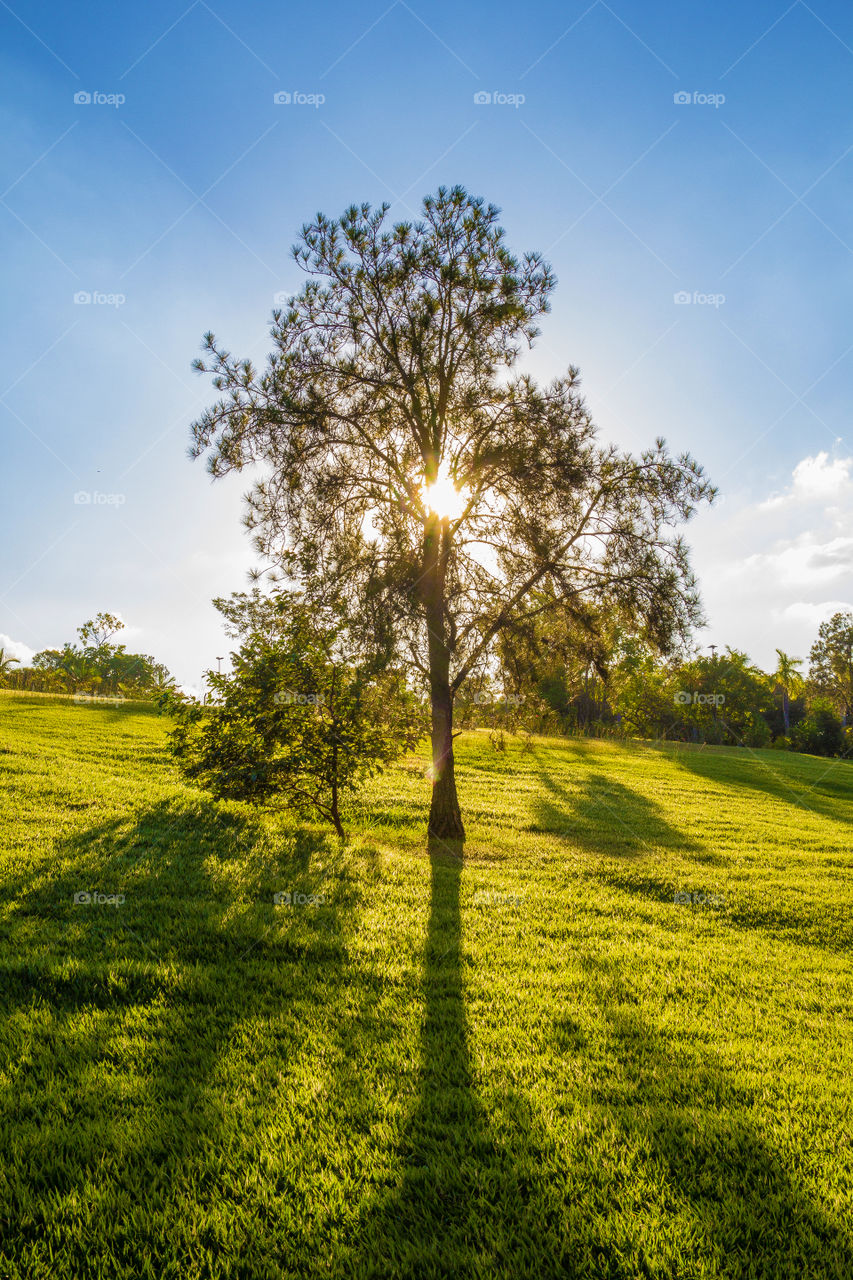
(175, 208)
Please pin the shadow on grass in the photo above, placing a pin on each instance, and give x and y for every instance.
(694, 1129)
(604, 816)
(671, 1178)
(163, 1157)
(806, 923)
(782, 776)
(122, 1096)
(456, 1205)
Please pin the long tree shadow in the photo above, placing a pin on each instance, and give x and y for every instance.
(459, 1204)
(197, 957)
(806, 783)
(604, 816)
(479, 1193)
(417, 1228)
(692, 1128)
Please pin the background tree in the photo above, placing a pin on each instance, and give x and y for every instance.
(820, 732)
(7, 662)
(831, 663)
(295, 720)
(410, 471)
(98, 631)
(94, 667)
(560, 660)
(787, 679)
(729, 699)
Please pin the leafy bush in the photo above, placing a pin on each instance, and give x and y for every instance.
(820, 733)
(294, 721)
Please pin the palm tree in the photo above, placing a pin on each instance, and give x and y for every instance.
(7, 662)
(787, 678)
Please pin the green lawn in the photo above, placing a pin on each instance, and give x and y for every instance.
(531, 1063)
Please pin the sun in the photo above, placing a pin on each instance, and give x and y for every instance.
(443, 498)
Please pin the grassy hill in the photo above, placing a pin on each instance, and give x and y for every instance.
(533, 1063)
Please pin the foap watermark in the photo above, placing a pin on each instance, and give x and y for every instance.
(83, 498)
(684, 698)
(685, 899)
(93, 898)
(82, 98)
(696, 99)
(96, 697)
(498, 99)
(85, 298)
(503, 701)
(684, 298)
(287, 899)
(495, 898)
(291, 698)
(298, 99)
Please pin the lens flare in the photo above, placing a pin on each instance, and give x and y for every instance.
(443, 498)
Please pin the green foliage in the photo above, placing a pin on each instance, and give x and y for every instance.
(831, 662)
(96, 667)
(295, 721)
(820, 733)
(622, 685)
(396, 366)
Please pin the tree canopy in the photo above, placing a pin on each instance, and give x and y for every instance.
(410, 468)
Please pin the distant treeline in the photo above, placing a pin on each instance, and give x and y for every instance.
(564, 674)
(95, 667)
(554, 679)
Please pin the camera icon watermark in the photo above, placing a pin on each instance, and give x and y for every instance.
(95, 499)
(84, 99)
(85, 298)
(287, 899)
(686, 699)
(90, 898)
(498, 99)
(685, 99)
(685, 899)
(684, 298)
(298, 99)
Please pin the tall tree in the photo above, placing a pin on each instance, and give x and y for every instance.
(787, 678)
(831, 662)
(412, 472)
(7, 662)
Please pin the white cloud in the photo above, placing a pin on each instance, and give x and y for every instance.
(192, 691)
(815, 478)
(15, 649)
(771, 570)
(800, 561)
(814, 613)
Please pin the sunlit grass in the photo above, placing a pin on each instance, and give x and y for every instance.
(533, 1063)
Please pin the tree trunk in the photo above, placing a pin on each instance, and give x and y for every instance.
(445, 817)
(334, 812)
